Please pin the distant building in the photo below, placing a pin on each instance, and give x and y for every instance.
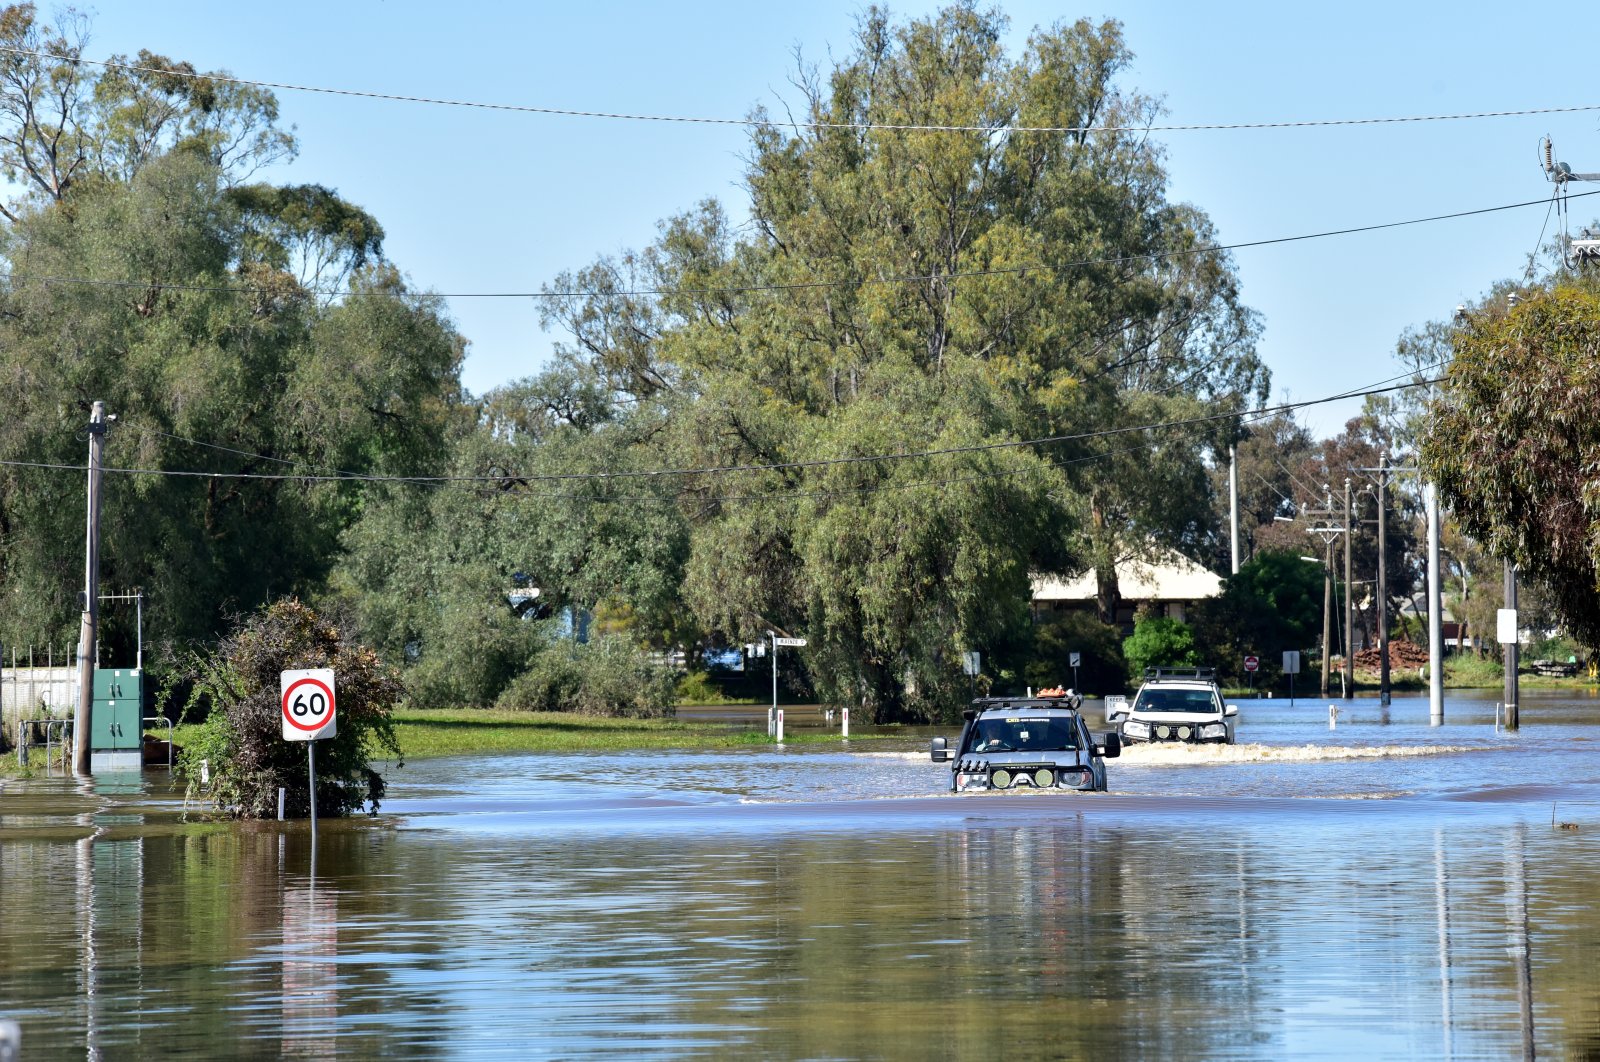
(1450, 628)
(1164, 580)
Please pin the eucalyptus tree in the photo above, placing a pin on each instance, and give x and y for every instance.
(539, 528)
(1512, 441)
(950, 252)
(145, 269)
(66, 122)
(227, 393)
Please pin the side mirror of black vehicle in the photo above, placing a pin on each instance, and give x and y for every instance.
(939, 750)
(1110, 745)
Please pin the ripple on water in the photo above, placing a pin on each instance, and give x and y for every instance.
(1190, 755)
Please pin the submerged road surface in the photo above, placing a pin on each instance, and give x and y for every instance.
(1384, 889)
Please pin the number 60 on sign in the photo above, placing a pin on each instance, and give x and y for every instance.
(308, 705)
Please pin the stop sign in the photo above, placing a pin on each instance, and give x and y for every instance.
(1251, 663)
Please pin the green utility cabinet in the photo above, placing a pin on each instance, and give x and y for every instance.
(116, 723)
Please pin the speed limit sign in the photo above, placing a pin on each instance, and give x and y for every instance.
(309, 708)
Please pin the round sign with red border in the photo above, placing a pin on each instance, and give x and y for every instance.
(308, 704)
(1251, 663)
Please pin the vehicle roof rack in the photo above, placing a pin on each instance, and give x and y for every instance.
(1181, 672)
(1074, 701)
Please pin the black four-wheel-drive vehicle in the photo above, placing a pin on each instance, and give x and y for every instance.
(1037, 742)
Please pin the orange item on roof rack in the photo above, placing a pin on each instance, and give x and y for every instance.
(1054, 691)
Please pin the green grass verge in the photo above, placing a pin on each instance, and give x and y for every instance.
(425, 734)
(470, 731)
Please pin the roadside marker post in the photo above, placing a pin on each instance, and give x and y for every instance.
(780, 726)
(844, 716)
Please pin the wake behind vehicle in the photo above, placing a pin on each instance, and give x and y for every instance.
(1035, 743)
(1175, 704)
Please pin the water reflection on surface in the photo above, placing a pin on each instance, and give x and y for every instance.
(820, 902)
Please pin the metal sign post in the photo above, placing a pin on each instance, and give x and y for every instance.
(772, 715)
(310, 713)
(1291, 667)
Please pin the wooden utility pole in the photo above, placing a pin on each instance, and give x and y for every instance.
(1430, 498)
(91, 597)
(1327, 530)
(1349, 599)
(1327, 610)
(1381, 605)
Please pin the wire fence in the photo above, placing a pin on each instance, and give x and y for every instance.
(36, 682)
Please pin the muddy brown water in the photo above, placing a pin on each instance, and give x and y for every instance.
(1386, 889)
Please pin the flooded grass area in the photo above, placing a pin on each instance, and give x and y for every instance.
(1385, 888)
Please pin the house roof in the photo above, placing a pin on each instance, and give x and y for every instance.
(1162, 576)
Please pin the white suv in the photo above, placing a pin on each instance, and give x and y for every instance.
(1175, 704)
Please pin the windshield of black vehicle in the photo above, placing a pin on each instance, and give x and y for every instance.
(1159, 700)
(1024, 734)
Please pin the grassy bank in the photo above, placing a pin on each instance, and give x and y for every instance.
(461, 731)
(1460, 673)
(475, 731)
(470, 731)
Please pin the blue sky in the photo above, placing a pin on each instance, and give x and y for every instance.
(492, 201)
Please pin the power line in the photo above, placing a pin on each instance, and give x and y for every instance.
(656, 474)
(792, 124)
(796, 286)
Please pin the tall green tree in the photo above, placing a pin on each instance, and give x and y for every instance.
(900, 291)
(1270, 455)
(445, 578)
(144, 269)
(1513, 441)
(1273, 603)
(66, 125)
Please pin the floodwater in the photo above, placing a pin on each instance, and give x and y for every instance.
(1385, 889)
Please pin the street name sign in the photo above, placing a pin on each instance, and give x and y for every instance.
(788, 641)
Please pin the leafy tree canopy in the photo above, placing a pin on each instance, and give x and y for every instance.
(1159, 641)
(900, 291)
(1273, 604)
(66, 125)
(202, 379)
(1514, 442)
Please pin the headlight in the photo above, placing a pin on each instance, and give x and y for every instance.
(1043, 778)
(1001, 779)
(1211, 730)
(1075, 777)
(1138, 730)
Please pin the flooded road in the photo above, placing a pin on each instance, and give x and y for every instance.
(1383, 889)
